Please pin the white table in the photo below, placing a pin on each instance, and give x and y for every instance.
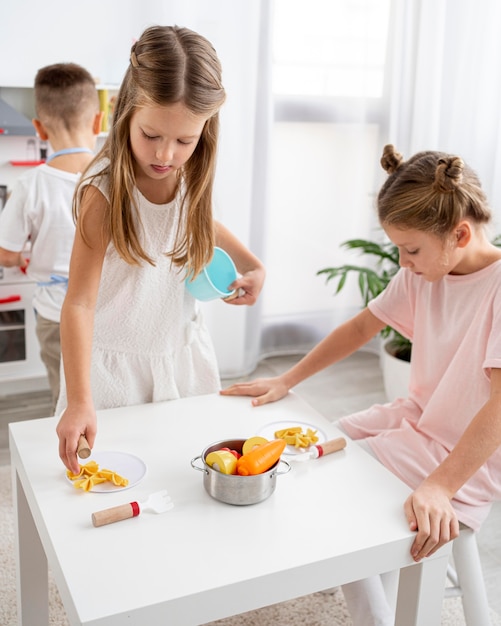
(330, 521)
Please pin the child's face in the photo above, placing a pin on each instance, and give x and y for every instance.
(425, 254)
(162, 139)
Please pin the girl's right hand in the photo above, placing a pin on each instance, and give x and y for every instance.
(263, 390)
(430, 513)
(75, 421)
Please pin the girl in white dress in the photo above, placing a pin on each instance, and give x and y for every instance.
(130, 331)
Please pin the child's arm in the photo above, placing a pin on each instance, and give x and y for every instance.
(77, 322)
(12, 259)
(15, 225)
(428, 508)
(340, 343)
(249, 266)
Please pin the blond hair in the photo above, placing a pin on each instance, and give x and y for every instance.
(168, 65)
(65, 94)
(432, 192)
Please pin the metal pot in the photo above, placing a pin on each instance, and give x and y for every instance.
(233, 489)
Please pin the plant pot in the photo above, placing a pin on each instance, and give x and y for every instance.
(396, 373)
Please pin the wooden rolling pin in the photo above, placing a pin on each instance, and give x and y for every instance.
(334, 445)
(83, 449)
(321, 449)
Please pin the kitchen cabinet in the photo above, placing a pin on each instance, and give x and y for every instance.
(20, 98)
(14, 149)
(21, 368)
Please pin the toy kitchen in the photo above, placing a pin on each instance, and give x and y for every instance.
(21, 369)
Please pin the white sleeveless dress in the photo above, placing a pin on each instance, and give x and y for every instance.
(150, 342)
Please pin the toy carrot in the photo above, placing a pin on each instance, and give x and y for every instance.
(260, 459)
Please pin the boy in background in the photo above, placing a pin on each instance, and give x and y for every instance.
(39, 210)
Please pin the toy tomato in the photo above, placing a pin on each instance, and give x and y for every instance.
(236, 454)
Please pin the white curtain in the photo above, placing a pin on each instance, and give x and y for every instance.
(242, 38)
(323, 177)
(442, 91)
(445, 83)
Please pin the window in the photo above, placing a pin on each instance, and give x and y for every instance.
(330, 48)
(330, 114)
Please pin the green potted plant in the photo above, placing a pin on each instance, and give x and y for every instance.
(372, 280)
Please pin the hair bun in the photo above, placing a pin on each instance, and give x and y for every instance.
(449, 174)
(391, 159)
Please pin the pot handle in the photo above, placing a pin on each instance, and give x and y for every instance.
(200, 469)
(287, 464)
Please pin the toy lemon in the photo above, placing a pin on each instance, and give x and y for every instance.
(222, 461)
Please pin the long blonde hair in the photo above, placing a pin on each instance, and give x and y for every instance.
(168, 64)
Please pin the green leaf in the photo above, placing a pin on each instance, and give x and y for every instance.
(373, 279)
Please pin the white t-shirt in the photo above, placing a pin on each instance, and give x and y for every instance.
(39, 211)
(455, 327)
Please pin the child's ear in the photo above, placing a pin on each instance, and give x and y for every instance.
(40, 128)
(98, 122)
(463, 233)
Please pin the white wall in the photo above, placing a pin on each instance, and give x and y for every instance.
(96, 34)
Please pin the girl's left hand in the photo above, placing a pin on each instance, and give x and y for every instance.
(247, 287)
(429, 511)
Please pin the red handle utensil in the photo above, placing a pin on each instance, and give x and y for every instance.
(159, 502)
(10, 299)
(321, 449)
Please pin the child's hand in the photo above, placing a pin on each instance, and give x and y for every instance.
(75, 421)
(263, 390)
(248, 287)
(429, 511)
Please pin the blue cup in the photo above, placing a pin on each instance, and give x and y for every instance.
(214, 280)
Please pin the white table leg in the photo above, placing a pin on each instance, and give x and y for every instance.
(31, 564)
(421, 592)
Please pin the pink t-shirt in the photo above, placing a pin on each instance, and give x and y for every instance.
(455, 327)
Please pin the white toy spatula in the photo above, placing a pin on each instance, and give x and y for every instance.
(158, 502)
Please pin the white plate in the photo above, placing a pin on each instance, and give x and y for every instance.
(268, 432)
(127, 465)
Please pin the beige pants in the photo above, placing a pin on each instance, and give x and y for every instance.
(50, 353)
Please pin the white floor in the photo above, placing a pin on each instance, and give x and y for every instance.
(344, 388)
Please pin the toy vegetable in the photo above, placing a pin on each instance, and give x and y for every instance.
(260, 459)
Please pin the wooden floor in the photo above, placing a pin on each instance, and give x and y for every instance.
(339, 390)
(18, 408)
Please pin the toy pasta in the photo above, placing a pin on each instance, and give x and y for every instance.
(294, 436)
(90, 475)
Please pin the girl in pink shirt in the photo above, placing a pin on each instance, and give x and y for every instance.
(443, 440)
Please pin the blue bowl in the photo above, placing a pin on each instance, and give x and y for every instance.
(214, 280)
